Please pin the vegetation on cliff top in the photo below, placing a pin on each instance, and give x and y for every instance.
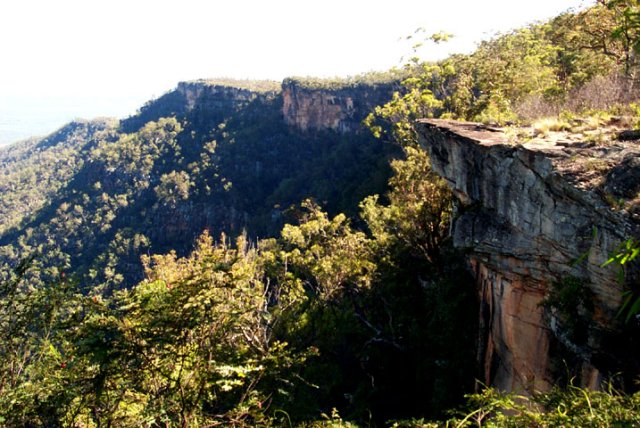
(576, 62)
(391, 77)
(251, 85)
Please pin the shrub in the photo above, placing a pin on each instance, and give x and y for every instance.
(550, 124)
(601, 93)
(536, 106)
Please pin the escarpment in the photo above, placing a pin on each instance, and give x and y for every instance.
(307, 105)
(213, 95)
(532, 217)
(338, 108)
(213, 99)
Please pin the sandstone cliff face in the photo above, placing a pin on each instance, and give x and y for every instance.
(213, 96)
(341, 109)
(524, 218)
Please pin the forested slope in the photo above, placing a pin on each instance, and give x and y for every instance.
(93, 197)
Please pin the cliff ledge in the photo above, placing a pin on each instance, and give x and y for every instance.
(525, 213)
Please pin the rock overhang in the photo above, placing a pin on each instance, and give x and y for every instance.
(526, 212)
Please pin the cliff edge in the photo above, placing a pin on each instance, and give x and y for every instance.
(525, 213)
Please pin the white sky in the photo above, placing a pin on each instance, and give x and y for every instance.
(131, 50)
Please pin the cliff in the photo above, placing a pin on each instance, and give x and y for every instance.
(212, 98)
(213, 95)
(307, 104)
(225, 94)
(525, 214)
(340, 107)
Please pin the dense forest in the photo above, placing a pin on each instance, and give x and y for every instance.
(92, 197)
(205, 263)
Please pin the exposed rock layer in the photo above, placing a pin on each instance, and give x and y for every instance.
(524, 219)
(213, 96)
(341, 109)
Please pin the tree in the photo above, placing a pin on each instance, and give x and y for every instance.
(625, 32)
(173, 188)
(191, 344)
(36, 387)
(419, 212)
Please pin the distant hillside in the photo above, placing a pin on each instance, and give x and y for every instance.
(27, 116)
(219, 155)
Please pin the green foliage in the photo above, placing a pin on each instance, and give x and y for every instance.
(586, 38)
(403, 110)
(373, 78)
(34, 171)
(36, 322)
(173, 188)
(246, 334)
(627, 252)
(559, 407)
(511, 67)
(251, 85)
(328, 252)
(131, 159)
(571, 302)
(419, 212)
(367, 304)
(192, 341)
(361, 321)
(624, 35)
(522, 75)
(189, 345)
(221, 167)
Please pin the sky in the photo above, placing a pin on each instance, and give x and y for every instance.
(86, 58)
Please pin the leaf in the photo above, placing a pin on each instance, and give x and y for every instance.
(634, 310)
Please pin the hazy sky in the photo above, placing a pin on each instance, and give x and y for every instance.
(123, 52)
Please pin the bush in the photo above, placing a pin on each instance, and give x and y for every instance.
(601, 93)
(568, 407)
(535, 106)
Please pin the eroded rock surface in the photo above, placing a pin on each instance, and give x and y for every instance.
(340, 109)
(209, 95)
(525, 213)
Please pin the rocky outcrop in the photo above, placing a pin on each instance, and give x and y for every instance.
(213, 96)
(201, 98)
(338, 108)
(525, 216)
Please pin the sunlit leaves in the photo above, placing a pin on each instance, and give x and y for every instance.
(419, 214)
(571, 406)
(627, 252)
(327, 253)
(173, 188)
